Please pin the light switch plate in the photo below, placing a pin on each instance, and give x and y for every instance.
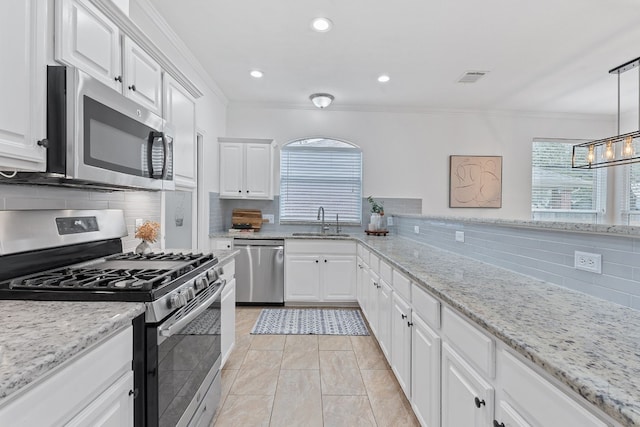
(389, 221)
(139, 222)
(460, 236)
(416, 229)
(270, 218)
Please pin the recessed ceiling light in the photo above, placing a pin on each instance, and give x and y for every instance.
(256, 74)
(383, 78)
(321, 25)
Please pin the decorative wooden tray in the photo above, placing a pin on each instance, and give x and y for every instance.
(377, 232)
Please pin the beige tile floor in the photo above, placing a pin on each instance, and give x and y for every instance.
(302, 380)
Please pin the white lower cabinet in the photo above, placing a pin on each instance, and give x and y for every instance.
(228, 319)
(425, 373)
(467, 398)
(401, 342)
(317, 271)
(94, 389)
(372, 302)
(385, 305)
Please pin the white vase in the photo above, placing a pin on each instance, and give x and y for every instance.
(374, 224)
(143, 248)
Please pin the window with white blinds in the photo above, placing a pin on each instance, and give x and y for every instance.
(629, 194)
(561, 193)
(320, 172)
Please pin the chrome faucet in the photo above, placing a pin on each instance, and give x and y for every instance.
(321, 214)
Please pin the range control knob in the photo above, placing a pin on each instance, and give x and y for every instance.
(212, 275)
(200, 283)
(190, 293)
(176, 301)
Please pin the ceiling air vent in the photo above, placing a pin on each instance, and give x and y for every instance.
(471, 76)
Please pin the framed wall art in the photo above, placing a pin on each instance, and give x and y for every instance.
(475, 181)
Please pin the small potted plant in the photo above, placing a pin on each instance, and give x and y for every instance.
(148, 232)
(377, 212)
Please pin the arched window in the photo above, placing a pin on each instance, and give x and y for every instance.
(318, 172)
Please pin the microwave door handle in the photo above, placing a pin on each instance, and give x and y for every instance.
(152, 136)
(165, 145)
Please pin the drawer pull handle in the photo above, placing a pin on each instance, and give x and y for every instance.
(497, 424)
(404, 316)
(409, 324)
(133, 393)
(479, 402)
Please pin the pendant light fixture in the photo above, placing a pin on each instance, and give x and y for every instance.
(321, 100)
(616, 150)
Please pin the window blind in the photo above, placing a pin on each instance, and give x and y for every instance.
(329, 176)
(561, 193)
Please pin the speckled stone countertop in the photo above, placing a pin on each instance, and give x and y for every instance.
(591, 345)
(225, 255)
(37, 336)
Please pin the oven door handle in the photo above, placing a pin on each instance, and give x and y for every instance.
(167, 331)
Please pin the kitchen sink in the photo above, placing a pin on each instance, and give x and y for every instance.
(307, 234)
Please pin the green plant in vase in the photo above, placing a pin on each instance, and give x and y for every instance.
(377, 211)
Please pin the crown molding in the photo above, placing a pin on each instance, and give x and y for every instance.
(158, 20)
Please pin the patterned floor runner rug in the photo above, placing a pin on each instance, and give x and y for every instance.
(309, 321)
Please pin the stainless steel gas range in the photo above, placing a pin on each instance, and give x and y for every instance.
(76, 255)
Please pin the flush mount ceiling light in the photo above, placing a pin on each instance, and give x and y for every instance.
(256, 74)
(321, 100)
(321, 25)
(615, 150)
(383, 78)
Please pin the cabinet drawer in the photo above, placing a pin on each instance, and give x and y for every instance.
(426, 306)
(536, 399)
(316, 247)
(374, 263)
(385, 272)
(475, 346)
(402, 285)
(363, 253)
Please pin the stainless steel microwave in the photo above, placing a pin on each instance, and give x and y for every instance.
(98, 138)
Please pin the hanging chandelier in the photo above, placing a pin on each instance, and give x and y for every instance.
(616, 150)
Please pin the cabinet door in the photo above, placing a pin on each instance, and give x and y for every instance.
(22, 85)
(180, 113)
(363, 291)
(231, 169)
(506, 416)
(143, 78)
(338, 277)
(385, 304)
(401, 342)
(302, 278)
(258, 171)
(372, 302)
(228, 326)
(87, 39)
(113, 408)
(467, 399)
(425, 373)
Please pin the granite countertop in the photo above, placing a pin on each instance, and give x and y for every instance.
(591, 345)
(37, 336)
(225, 255)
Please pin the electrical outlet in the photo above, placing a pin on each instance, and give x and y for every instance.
(139, 222)
(389, 221)
(588, 262)
(460, 236)
(270, 218)
(416, 229)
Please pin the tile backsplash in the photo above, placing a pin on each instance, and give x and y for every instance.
(545, 254)
(135, 204)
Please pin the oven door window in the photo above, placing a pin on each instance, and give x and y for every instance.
(184, 360)
(116, 142)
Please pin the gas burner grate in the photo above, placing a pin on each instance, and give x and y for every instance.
(160, 256)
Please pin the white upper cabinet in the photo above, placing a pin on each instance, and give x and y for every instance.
(22, 85)
(180, 113)
(143, 80)
(88, 40)
(246, 168)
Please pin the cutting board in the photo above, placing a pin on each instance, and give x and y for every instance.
(252, 217)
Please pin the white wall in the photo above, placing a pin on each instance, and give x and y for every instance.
(407, 154)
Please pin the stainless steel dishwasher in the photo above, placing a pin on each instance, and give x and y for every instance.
(259, 271)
